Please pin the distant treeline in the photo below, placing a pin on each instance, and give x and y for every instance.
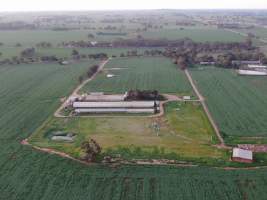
(141, 42)
(111, 33)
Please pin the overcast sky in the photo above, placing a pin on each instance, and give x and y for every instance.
(47, 5)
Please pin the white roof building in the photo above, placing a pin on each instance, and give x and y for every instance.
(251, 73)
(105, 98)
(207, 63)
(186, 98)
(115, 110)
(246, 62)
(123, 104)
(257, 66)
(242, 155)
(110, 75)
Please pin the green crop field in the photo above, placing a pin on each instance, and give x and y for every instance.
(257, 31)
(30, 94)
(145, 73)
(237, 102)
(31, 38)
(196, 34)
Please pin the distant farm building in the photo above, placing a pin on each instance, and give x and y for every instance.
(251, 72)
(246, 62)
(257, 66)
(207, 63)
(116, 107)
(93, 43)
(186, 98)
(242, 155)
(100, 97)
(64, 62)
(110, 75)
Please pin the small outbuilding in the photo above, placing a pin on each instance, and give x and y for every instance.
(186, 98)
(242, 155)
(64, 62)
(110, 75)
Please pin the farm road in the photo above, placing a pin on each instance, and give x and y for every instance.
(202, 101)
(75, 91)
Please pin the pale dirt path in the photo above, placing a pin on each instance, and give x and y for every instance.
(148, 162)
(169, 98)
(76, 90)
(202, 101)
(52, 151)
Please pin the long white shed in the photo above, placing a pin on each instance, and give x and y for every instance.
(115, 110)
(257, 66)
(124, 104)
(105, 98)
(251, 73)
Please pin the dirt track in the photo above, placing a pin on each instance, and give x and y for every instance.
(202, 101)
(75, 91)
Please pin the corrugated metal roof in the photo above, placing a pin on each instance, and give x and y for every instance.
(114, 110)
(250, 72)
(124, 104)
(242, 153)
(105, 98)
(257, 66)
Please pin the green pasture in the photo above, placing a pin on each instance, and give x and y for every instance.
(32, 37)
(144, 73)
(236, 102)
(196, 34)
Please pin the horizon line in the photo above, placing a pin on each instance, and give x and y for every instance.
(143, 9)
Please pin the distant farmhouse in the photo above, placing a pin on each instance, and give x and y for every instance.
(246, 62)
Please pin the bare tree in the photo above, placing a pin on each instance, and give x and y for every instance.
(91, 149)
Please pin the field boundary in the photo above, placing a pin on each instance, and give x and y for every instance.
(75, 91)
(245, 35)
(140, 162)
(205, 107)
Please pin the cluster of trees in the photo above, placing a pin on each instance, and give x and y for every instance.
(152, 52)
(188, 53)
(18, 60)
(84, 44)
(112, 20)
(184, 23)
(28, 53)
(185, 43)
(90, 72)
(44, 45)
(145, 95)
(111, 33)
(91, 36)
(16, 25)
(184, 60)
(77, 56)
